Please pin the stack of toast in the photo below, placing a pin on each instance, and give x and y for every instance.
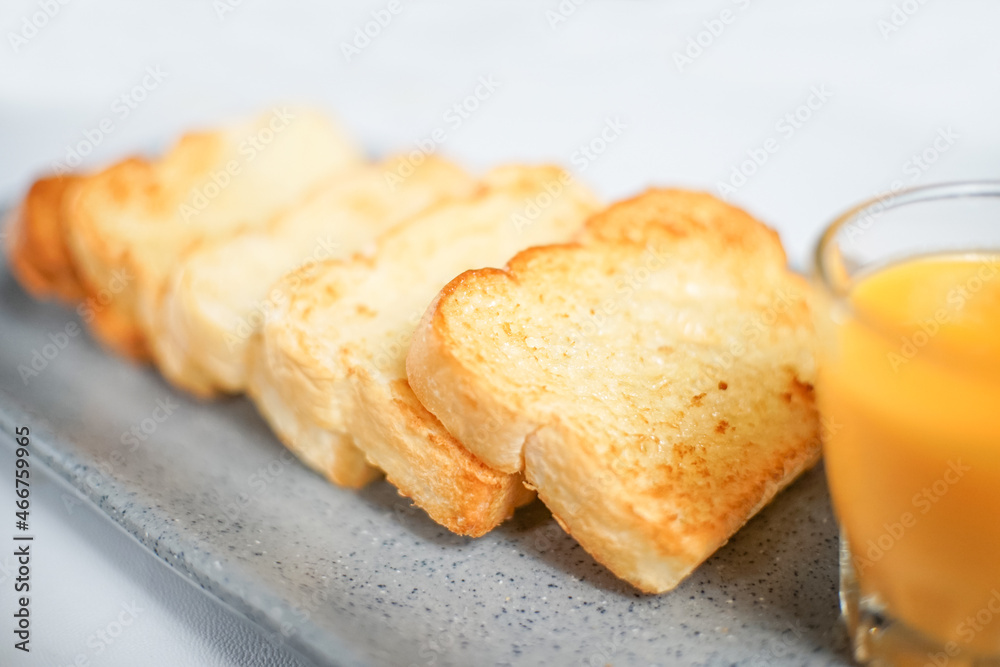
(646, 368)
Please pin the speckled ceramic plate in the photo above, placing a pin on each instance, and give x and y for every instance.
(362, 578)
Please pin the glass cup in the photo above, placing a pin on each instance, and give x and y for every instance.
(911, 432)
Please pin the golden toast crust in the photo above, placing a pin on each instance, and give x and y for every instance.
(653, 381)
(36, 245)
(337, 343)
(132, 222)
(222, 289)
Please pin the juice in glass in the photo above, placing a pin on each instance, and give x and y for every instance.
(909, 388)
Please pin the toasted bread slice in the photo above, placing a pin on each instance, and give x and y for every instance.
(219, 292)
(130, 223)
(335, 348)
(36, 244)
(43, 263)
(653, 381)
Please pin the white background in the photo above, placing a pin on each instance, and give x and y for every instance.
(896, 82)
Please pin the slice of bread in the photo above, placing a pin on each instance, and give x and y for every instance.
(129, 224)
(36, 245)
(43, 262)
(334, 350)
(219, 292)
(653, 381)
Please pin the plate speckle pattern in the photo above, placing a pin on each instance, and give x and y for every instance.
(363, 578)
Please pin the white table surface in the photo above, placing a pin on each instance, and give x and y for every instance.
(887, 79)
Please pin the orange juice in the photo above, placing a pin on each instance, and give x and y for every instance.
(910, 390)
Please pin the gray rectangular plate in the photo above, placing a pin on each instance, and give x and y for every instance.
(363, 578)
